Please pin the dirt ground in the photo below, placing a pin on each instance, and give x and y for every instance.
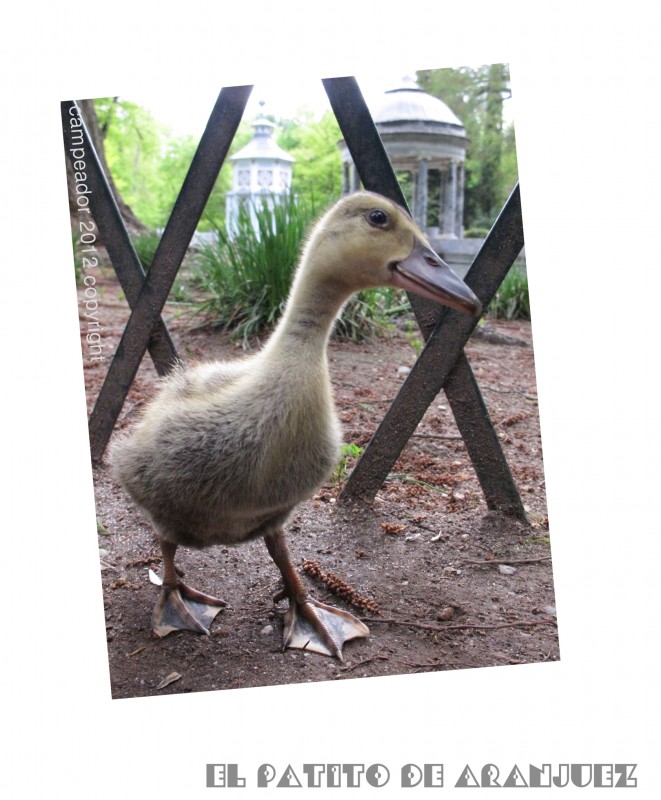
(455, 586)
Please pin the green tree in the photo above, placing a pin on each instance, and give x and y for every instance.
(149, 165)
(317, 171)
(133, 141)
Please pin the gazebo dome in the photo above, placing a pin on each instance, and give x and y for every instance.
(407, 102)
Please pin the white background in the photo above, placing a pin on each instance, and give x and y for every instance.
(586, 93)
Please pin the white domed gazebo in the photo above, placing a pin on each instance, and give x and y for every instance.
(423, 137)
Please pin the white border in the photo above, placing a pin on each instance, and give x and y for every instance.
(584, 79)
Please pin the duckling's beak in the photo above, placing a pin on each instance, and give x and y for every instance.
(424, 273)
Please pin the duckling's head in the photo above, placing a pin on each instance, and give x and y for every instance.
(366, 240)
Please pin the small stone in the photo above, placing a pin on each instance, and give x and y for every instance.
(446, 613)
(505, 569)
(403, 370)
(549, 610)
(267, 630)
(103, 553)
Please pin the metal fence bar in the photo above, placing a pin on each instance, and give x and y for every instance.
(115, 237)
(482, 444)
(491, 265)
(188, 209)
(440, 365)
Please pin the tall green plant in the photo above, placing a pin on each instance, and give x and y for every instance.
(145, 245)
(512, 300)
(245, 276)
(370, 313)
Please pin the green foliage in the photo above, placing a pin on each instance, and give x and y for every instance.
(476, 233)
(145, 247)
(368, 314)
(476, 96)
(317, 171)
(411, 332)
(133, 146)
(149, 165)
(347, 452)
(511, 301)
(405, 180)
(245, 279)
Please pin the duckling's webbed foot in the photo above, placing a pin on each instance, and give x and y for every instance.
(310, 625)
(181, 608)
(314, 626)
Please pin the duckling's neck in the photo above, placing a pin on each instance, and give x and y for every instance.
(308, 318)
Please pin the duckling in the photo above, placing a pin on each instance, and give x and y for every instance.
(226, 450)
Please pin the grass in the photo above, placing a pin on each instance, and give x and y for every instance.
(369, 314)
(412, 337)
(347, 452)
(245, 279)
(145, 245)
(512, 300)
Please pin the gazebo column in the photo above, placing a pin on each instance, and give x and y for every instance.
(346, 177)
(420, 196)
(355, 179)
(459, 222)
(450, 201)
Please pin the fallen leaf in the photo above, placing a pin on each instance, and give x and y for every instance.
(171, 678)
(153, 577)
(392, 528)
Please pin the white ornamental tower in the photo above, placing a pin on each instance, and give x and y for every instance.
(261, 174)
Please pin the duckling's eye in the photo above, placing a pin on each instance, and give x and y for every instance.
(377, 217)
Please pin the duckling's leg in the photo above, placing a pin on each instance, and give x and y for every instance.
(180, 607)
(310, 625)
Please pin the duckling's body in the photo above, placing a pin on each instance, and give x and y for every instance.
(226, 450)
(222, 451)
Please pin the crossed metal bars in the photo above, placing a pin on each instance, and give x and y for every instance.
(441, 365)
